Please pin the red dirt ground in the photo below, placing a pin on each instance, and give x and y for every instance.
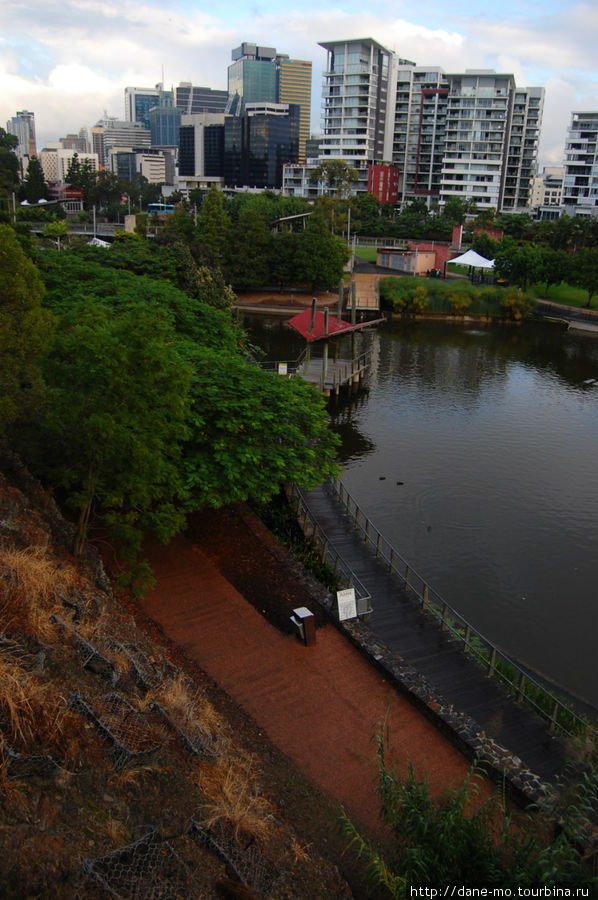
(217, 599)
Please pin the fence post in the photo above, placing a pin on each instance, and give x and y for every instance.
(521, 686)
(492, 663)
(391, 562)
(366, 534)
(379, 545)
(425, 598)
(466, 639)
(445, 610)
(553, 719)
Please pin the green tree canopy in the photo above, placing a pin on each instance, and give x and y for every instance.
(249, 250)
(117, 418)
(337, 176)
(320, 255)
(34, 187)
(25, 329)
(213, 224)
(251, 432)
(9, 165)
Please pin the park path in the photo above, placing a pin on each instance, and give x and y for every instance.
(320, 705)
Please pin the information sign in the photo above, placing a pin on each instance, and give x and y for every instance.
(347, 608)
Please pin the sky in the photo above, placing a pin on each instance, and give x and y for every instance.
(70, 62)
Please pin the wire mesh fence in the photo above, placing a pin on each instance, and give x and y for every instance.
(125, 730)
(148, 869)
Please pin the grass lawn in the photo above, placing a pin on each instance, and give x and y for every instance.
(367, 253)
(565, 294)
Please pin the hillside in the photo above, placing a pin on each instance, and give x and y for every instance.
(123, 771)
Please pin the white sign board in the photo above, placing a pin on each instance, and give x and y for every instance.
(347, 608)
(282, 368)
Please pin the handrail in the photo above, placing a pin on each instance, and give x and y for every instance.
(343, 573)
(558, 713)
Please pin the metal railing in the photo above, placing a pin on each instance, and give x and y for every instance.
(559, 714)
(335, 376)
(343, 574)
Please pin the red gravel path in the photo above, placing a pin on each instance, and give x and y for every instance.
(320, 705)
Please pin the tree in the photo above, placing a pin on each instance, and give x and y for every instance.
(180, 224)
(112, 435)
(213, 224)
(556, 267)
(251, 432)
(455, 210)
(337, 176)
(320, 255)
(81, 177)
(34, 187)
(25, 329)
(9, 164)
(520, 263)
(105, 188)
(56, 230)
(248, 250)
(584, 271)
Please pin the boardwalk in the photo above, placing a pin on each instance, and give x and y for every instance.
(399, 624)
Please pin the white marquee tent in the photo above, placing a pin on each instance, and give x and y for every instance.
(471, 258)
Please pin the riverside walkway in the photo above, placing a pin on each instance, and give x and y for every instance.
(398, 622)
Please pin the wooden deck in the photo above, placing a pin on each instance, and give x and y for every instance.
(400, 624)
(339, 373)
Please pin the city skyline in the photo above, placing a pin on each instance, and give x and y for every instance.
(70, 65)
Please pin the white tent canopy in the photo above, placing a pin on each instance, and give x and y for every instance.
(471, 258)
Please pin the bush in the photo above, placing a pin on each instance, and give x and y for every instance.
(456, 297)
(460, 839)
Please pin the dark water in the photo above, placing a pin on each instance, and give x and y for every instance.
(474, 451)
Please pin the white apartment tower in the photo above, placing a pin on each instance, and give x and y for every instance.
(358, 103)
(580, 186)
(491, 140)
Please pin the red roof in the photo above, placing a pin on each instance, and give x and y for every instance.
(302, 321)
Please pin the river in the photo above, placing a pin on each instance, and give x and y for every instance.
(473, 449)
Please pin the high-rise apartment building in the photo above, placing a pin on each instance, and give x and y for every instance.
(419, 127)
(358, 103)
(491, 140)
(22, 125)
(580, 185)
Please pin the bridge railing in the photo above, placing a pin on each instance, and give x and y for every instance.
(560, 714)
(338, 375)
(344, 575)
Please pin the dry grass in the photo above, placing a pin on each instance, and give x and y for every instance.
(30, 586)
(30, 709)
(190, 709)
(232, 798)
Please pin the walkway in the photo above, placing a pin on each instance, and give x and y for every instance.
(320, 705)
(399, 624)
